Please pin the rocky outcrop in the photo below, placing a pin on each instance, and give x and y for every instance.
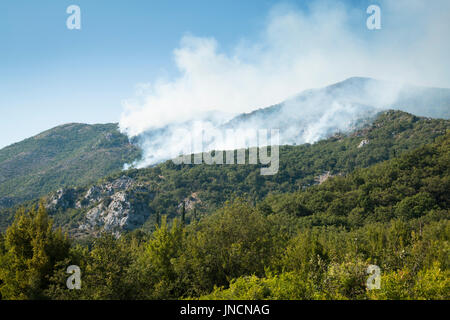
(118, 213)
(114, 206)
(363, 143)
(96, 193)
(190, 202)
(63, 198)
(323, 177)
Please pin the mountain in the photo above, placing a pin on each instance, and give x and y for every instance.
(79, 154)
(305, 118)
(342, 105)
(69, 155)
(137, 198)
(74, 155)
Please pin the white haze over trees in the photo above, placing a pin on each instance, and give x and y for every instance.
(296, 51)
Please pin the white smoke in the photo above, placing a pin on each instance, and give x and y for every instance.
(297, 50)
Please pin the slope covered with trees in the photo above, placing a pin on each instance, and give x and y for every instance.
(161, 190)
(68, 155)
(389, 135)
(308, 244)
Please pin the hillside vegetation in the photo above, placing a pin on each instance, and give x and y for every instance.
(205, 188)
(389, 135)
(68, 155)
(308, 244)
(141, 197)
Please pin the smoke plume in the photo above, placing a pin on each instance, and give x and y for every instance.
(297, 50)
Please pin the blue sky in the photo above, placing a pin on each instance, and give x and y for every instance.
(50, 75)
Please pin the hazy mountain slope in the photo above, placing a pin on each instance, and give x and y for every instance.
(355, 97)
(307, 117)
(78, 154)
(135, 198)
(71, 154)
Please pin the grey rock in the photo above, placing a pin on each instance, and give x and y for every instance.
(363, 143)
(63, 198)
(119, 212)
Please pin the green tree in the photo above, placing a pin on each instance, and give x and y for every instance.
(233, 242)
(157, 277)
(107, 273)
(31, 250)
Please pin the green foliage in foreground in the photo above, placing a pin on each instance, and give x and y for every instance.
(30, 251)
(312, 244)
(344, 281)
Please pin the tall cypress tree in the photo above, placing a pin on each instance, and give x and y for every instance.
(183, 213)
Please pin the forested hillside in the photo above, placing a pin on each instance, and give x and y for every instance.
(394, 215)
(138, 198)
(310, 244)
(68, 155)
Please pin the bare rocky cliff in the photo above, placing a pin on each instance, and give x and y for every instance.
(115, 206)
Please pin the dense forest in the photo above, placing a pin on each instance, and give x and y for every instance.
(388, 135)
(310, 243)
(160, 190)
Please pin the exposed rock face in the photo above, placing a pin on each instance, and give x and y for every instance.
(63, 199)
(123, 183)
(323, 177)
(190, 202)
(97, 193)
(115, 206)
(93, 195)
(363, 143)
(120, 214)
